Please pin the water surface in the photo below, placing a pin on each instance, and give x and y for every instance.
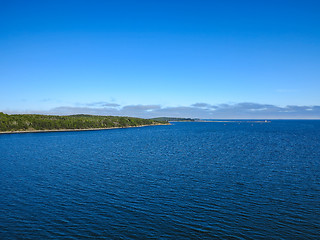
(184, 181)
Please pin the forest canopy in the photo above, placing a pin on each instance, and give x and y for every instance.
(30, 122)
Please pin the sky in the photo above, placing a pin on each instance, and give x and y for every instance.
(205, 59)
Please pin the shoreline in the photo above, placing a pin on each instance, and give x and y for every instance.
(78, 130)
(240, 121)
(224, 121)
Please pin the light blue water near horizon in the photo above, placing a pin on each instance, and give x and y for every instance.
(184, 181)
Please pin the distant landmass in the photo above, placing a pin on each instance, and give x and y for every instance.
(35, 122)
(173, 119)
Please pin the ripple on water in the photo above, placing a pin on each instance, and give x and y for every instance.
(185, 181)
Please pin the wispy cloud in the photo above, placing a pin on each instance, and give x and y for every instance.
(246, 110)
(201, 105)
(102, 104)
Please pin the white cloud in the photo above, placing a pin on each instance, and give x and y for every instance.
(198, 110)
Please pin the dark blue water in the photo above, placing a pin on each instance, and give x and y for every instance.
(185, 181)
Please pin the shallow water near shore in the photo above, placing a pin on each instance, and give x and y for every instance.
(192, 180)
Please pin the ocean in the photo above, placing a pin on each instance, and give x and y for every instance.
(189, 180)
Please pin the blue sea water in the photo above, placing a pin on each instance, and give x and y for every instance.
(235, 180)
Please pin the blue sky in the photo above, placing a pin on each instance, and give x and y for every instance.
(207, 59)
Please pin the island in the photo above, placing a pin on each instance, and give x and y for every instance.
(175, 119)
(17, 123)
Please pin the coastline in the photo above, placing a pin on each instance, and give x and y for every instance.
(239, 121)
(228, 121)
(78, 130)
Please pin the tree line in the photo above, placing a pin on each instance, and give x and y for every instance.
(173, 119)
(29, 122)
